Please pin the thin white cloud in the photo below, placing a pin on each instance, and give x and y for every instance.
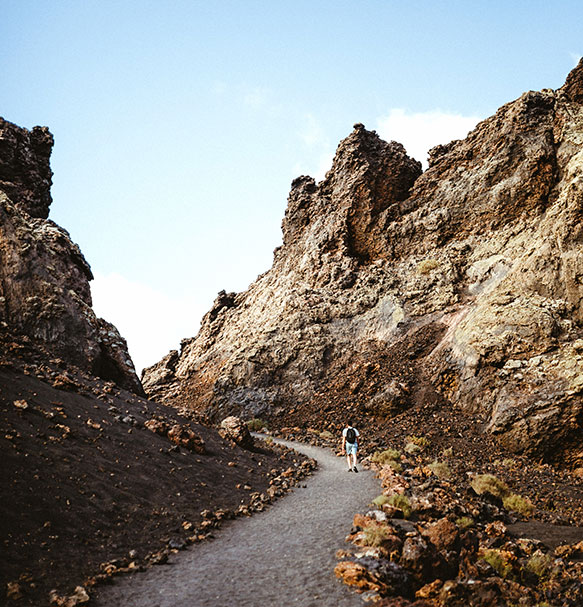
(257, 97)
(150, 321)
(421, 131)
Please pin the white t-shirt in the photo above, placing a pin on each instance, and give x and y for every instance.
(344, 432)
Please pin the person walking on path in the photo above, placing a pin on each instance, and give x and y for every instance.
(350, 446)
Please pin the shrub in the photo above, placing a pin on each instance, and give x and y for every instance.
(402, 503)
(518, 504)
(448, 452)
(421, 441)
(380, 501)
(540, 564)
(440, 469)
(509, 462)
(326, 434)
(412, 449)
(488, 483)
(386, 456)
(375, 535)
(427, 265)
(395, 466)
(465, 522)
(256, 425)
(497, 561)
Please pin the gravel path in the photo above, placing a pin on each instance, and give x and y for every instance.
(283, 556)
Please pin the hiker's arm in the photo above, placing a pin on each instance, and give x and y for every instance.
(343, 443)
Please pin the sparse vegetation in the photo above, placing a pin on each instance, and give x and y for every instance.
(326, 435)
(488, 483)
(380, 501)
(427, 265)
(412, 449)
(256, 425)
(465, 522)
(540, 564)
(498, 560)
(421, 441)
(374, 535)
(518, 504)
(441, 470)
(402, 503)
(448, 452)
(386, 456)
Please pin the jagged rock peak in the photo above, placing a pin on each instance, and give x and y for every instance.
(392, 284)
(368, 178)
(44, 279)
(573, 87)
(25, 172)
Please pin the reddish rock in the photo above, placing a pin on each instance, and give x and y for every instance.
(443, 534)
(356, 575)
(185, 437)
(235, 429)
(157, 426)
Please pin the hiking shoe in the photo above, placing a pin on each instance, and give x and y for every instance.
(349, 470)
(355, 469)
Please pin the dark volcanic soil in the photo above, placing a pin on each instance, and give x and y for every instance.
(84, 483)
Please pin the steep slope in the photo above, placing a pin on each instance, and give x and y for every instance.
(44, 278)
(95, 480)
(464, 282)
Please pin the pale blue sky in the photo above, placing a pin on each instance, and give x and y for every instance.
(179, 125)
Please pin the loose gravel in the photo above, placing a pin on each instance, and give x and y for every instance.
(283, 556)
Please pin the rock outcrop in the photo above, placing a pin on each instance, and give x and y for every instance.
(44, 278)
(472, 270)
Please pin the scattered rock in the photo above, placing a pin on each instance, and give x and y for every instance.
(186, 438)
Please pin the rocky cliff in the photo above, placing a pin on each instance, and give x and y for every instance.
(45, 296)
(392, 286)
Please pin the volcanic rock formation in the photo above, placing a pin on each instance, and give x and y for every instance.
(472, 272)
(44, 278)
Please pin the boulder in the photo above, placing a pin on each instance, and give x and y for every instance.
(235, 429)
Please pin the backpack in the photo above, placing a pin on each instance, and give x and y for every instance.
(351, 436)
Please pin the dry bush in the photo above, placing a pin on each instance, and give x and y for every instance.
(441, 470)
(427, 265)
(488, 483)
(402, 503)
(518, 504)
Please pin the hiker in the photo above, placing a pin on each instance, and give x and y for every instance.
(350, 446)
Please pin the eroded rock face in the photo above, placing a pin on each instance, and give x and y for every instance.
(44, 278)
(486, 244)
(25, 172)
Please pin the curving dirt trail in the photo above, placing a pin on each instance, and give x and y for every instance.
(283, 556)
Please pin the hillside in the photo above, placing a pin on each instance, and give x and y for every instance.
(96, 480)
(393, 286)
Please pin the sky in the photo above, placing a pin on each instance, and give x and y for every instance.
(180, 124)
